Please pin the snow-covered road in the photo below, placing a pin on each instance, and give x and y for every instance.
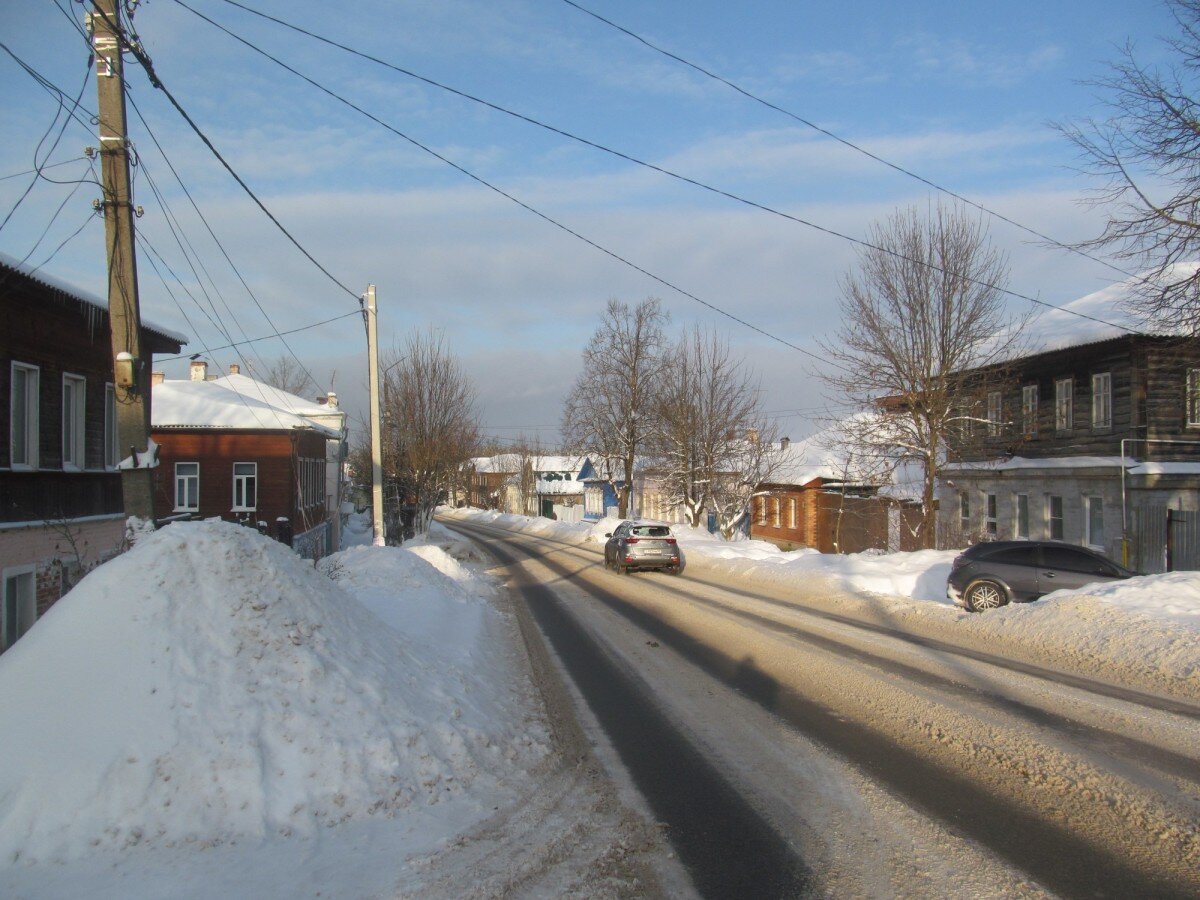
(895, 753)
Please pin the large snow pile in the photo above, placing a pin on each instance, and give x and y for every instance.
(209, 686)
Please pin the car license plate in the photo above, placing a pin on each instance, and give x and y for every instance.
(653, 552)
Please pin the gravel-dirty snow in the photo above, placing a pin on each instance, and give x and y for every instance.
(1144, 631)
(209, 714)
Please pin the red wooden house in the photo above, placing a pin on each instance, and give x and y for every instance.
(230, 455)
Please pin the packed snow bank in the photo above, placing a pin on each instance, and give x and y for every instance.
(209, 686)
(1144, 632)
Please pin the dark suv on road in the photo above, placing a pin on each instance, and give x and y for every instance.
(992, 574)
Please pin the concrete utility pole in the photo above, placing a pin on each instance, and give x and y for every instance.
(376, 445)
(129, 365)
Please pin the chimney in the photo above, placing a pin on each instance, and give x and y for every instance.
(235, 369)
(784, 443)
(199, 370)
(331, 400)
(157, 378)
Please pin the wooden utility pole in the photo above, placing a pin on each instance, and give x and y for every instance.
(131, 385)
(376, 445)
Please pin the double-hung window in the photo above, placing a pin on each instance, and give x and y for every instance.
(23, 429)
(1094, 521)
(1054, 516)
(1102, 400)
(995, 412)
(964, 512)
(73, 423)
(187, 486)
(991, 522)
(1193, 398)
(1029, 408)
(112, 453)
(19, 611)
(245, 486)
(1064, 404)
(1021, 522)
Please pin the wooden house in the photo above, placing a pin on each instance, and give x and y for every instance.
(1091, 436)
(817, 497)
(228, 454)
(61, 507)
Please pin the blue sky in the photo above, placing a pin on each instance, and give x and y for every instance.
(962, 93)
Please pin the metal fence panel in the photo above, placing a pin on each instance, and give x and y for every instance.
(1155, 528)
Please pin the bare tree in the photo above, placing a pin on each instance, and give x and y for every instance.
(1148, 152)
(922, 310)
(607, 411)
(710, 438)
(432, 425)
(287, 374)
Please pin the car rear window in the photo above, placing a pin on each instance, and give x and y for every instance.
(659, 531)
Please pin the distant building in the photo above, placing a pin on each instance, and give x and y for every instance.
(226, 452)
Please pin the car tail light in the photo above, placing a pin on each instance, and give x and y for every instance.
(632, 540)
(670, 540)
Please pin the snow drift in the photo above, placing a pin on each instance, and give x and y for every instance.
(209, 686)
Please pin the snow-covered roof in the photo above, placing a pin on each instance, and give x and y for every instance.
(558, 463)
(1044, 462)
(817, 456)
(1108, 316)
(1166, 468)
(87, 297)
(208, 404)
(273, 396)
(564, 486)
(503, 464)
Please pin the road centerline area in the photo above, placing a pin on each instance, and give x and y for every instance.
(1047, 848)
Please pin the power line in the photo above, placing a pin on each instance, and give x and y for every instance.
(621, 155)
(269, 336)
(848, 143)
(147, 64)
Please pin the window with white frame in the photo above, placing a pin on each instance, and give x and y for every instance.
(964, 512)
(774, 512)
(19, 610)
(1054, 517)
(112, 453)
(1094, 521)
(1029, 408)
(1193, 397)
(995, 412)
(1021, 519)
(991, 523)
(791, 512)
(245, 486)
(23, 425)
(1102, 400)
(1064, 404)
(187, 486)
(73, 424)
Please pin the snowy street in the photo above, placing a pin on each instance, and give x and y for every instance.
(864, 746)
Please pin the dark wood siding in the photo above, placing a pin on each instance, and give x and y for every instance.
(1148, 378)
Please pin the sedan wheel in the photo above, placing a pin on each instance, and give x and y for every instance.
(983, 595)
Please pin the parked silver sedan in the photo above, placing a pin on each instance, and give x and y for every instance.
(642, 544)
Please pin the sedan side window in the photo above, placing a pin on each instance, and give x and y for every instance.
(1067, 560)
(1015, 556)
